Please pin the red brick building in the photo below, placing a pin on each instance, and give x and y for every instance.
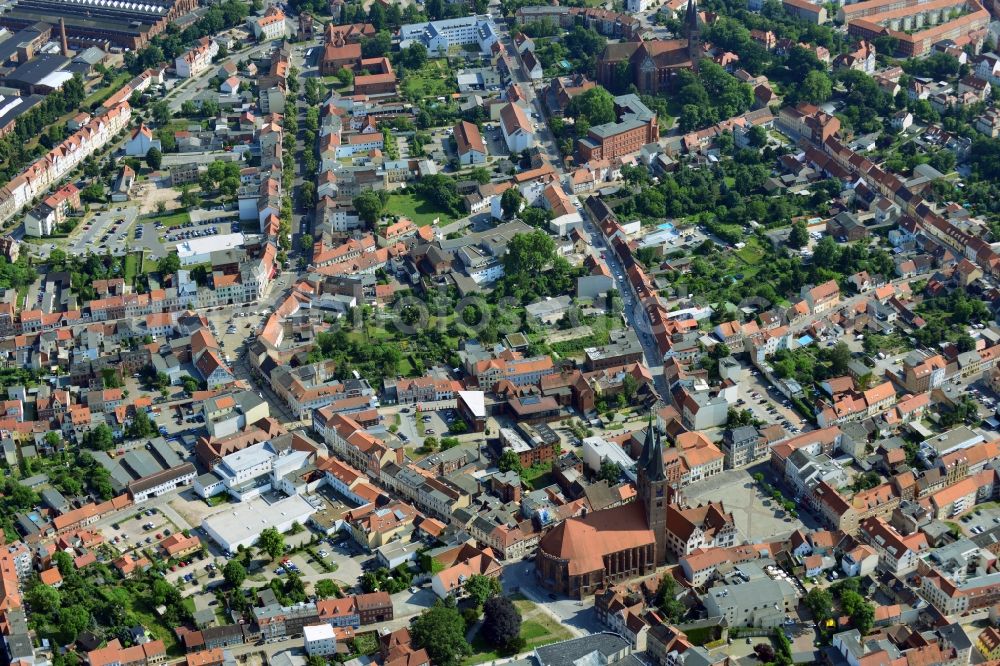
(342, 47)
(636, 126)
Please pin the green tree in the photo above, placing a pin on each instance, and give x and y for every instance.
(413, 57)
(73, 621)
(441, 631)
(141, 425)
(596, 106)
(307, 194)
(666, 599)
(502, 624)
(610, 472)
(815, 88)
(480, 588)
(511, 202)
(52, 439)
(99, 439)
(154, 158)
(169, 264)
(369, 206)
(190, 384)
(820, 602)
(188, 199)
(799, 236)
(370, 582)
(839, 357)
(863, 617)
(326, 588)
(377, 46)
(346, 77)
(161, 112)
(93, 193)
(272, 542)
(509, 462)
(234, 573)
(529, 254)
(44, 598)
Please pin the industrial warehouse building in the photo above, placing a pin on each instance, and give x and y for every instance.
(126, 25)
(242, 524)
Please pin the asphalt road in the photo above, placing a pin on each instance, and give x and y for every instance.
(543, 135)
(188, 89)
(633, 310)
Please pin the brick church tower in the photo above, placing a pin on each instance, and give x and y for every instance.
(654, 489)
(693, 34)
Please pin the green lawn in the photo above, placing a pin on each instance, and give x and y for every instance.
(216, 500)
(537, 629)
(434, 79)
(752, 253)
(417, 209)
(405, 367)
(131, 266)
(172, 219)
(102, 94)
(538, 476)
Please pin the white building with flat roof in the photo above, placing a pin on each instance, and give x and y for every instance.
(241, 524)
(252, 471)
(597, 450)
(199, 250)
(320, 640)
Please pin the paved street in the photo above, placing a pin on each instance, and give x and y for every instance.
(547, 140)
(632, 308)
(634, 313)
(189, 89)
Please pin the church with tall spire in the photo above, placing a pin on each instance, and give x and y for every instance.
(581, 554)
(653, 489)
(651, 65)
(693, 27)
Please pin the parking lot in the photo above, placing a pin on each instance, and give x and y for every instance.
(191, 230)
(434, 422)
(144, 529)
(231, 325)
(768, 405)
(119, 229)
(105, 230)
(495, 144)
(983, 518)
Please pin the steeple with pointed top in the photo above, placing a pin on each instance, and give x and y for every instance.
(647, 445)
(653, 487)
(693, 33)
(656, 470)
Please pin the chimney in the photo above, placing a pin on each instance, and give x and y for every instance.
(62, 36)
